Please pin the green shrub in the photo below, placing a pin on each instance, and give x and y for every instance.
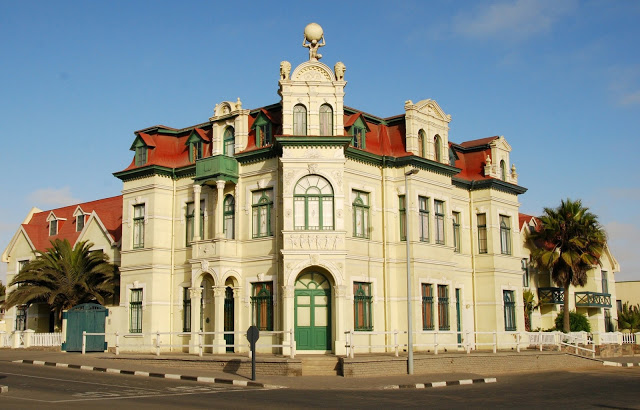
(577, 321)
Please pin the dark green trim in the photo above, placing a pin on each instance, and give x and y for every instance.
(144, 172)
(401, 162)
(310, 141)
(489, 184)
(256, 155)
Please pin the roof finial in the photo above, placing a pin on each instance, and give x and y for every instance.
(313, 34)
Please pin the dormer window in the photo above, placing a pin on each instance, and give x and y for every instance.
(229, 142)
(141, 155)
(263, 128)
(358, 131)
(53, 227)
(79, 222)
(141, 146)
(195, 147)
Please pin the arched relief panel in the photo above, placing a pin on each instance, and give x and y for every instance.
(199, 272)
(332, 270)
(313, 71)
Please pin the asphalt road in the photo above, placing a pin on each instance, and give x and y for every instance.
(39, 387)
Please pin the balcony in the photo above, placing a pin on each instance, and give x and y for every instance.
(216, 168)
(551, 296)
(593, 299)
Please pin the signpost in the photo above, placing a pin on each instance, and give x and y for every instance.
(253, 334)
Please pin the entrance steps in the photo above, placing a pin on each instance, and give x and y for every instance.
(320, 365)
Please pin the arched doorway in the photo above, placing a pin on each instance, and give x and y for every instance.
(312, 312)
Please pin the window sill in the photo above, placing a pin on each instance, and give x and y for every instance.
(134, 335)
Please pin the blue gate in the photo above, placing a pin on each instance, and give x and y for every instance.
(88, 317)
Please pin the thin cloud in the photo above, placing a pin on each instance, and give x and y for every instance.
(52, 197)
(630, 99)
(512, 20)
(623, 239)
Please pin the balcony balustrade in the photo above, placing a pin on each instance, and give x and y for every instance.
(551, 296)
(593, 299)
(218, 167)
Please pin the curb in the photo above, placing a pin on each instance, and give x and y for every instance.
(201, 379)
(4, 389)
(441, 384)
(617, 364)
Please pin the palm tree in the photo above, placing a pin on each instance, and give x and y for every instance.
(64, 277)
(569, 242)
(629, 317)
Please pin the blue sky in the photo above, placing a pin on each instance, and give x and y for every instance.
(560, 80)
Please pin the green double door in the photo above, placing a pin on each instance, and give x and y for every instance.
(313, 312)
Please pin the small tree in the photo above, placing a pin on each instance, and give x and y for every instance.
(629, 317)
(578, 322)
(529, 300)
(64, 277)
(569, 242)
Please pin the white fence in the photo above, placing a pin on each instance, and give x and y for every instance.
(160, 341)
(28, 338)
(46, 339)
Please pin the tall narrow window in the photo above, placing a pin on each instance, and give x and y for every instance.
(53, 227)
(263, 134)
(424, 218)
(437, 146)
(186, 310)
(261, 209)
(403, 217)
(482, 233)
(138, 226)
(525, 272)
(439, 208)
(360, 214)
(190, 221)
(456, 231)
(229, 217)
(358, 134)
(197, 150)
(299, 120)
(362, 306)
(326, 120)
(229, 142)
(443, 307)
(421, 139)
(427, 306)
(262, 305)
(509, 310)
(605, 282)
(313, 204)
(503, 170)
(505, 235)
(22, 264)
(135, 311)
(141, 155)
(21, 318)
(79, 222)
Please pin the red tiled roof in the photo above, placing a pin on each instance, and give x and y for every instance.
(109, 210)
(478, 142)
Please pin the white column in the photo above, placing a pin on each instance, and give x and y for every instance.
(340, 315)
(287, 315)
(237, 318)
(196, 212)
(196, 294)
(219, 210)
(218, 321)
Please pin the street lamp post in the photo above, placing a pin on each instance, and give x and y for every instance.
(412, 171)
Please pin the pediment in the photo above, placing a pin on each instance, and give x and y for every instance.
(431, 108)
(313, 71)
(501, 143)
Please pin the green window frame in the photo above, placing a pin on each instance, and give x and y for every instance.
(525, 272)
(229, 217)
(141, 155)
(482, 233)
(505, 235)
(360, 214)
(79, 222)
(362, 303)
(439, 217)
(138, 226)
(262, 208)
(427, 307)
(455, 216)
(313, 204)
(326, 120)
(263, 134)
(229, 142)
(299, 120)
(186, 310)
(402, 213)
(53, 227)
(358, 139)
(262, 305)
(190, 220)
(443, 307)
(423, 202)
(509, 310)
(135, 311)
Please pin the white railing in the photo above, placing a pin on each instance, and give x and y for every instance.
(609, 338)
(578, 343)
(352, 346)
(629, 338)
(46, 339)
(157, 345)
(5, 339)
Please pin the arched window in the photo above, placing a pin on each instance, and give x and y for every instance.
(503, 170)
(326, 120)
(229, 217)
(313, 204)
(437, 146)
(421, 139)
(299, 120)
(229, 142)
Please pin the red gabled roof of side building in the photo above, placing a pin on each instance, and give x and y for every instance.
(109, 210)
